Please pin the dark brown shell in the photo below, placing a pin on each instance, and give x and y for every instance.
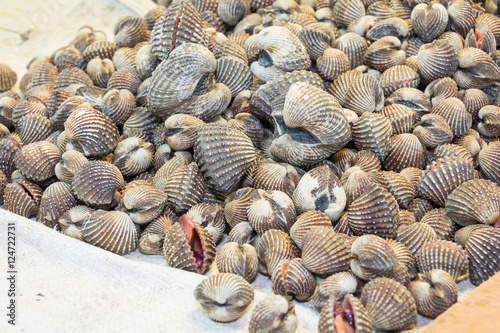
(55, 201)
(97, 183)
(444, 255)
(293, 280)
(151, 241)
(37, 160)
(184, 187)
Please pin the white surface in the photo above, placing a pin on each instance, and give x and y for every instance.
(65, 285)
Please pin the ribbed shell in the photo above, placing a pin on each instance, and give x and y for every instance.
(434, 293)
(184, 187)
(444, 255)
(69, 163)
(55, 201)
(33, 127)
(91, 132)
(43, 74)
(324, 252)
(374, 254)
(414, 236)
(118, 105)
(238, 259)
(151, 241)
(280, 52)
(397, 77)
(113, 231)
(143, 203)
(179, 253)
(489, 121)
(224, 297)
(22, 198)
(102, 49)
(476, 69)
(389, 304)
(223, 155)
(384, 53)
(372, 132)
(274, 314)
(96, 183)
(273, 176)
(181, 23)
(400, 187)
(185, 83)
(488, 161)
(317, 37)
(71, 222)
(329, 321)
(453, 111)
(364, 95)
(210, 216)
(293, 280)
(9, 148)
(263, 98)
(133, 156)
(484, 254)
(37, 160)
(8, 77)
(346, 11)
(233, 73)
(440, 222)
(305, 222)
(129, 31)
(332, 63)
(367, 216)
(407, 151)
(336, 285)
(475, 201)
(442, 176)
(401, 117)
(270, 210)
(429, 21)
(463, 234)
(235, 206)
(274, 246)
(437, 60)
(25, 108)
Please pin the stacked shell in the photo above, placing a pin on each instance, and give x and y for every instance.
(366, 155)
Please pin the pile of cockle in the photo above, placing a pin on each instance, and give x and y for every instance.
(352, 141)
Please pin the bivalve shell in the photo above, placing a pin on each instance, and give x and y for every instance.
(444, 255)
(273, 314)
(484, 256)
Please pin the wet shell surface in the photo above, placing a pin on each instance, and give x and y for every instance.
(56, 200)
(111, 230)
(389, 304)
(415, 235)
(224, 297)
(305, 222)
(37, 160)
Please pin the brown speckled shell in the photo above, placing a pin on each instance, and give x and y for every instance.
(274, 314)
(37, 160)
(151, 241)
(274, 246)
(293, 280)
(184, 187)
(415, 235)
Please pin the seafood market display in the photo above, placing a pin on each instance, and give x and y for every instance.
(346, 149)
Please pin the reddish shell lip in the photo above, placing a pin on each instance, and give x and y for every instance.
(344, 316)
(445, 245)
(194, 240)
